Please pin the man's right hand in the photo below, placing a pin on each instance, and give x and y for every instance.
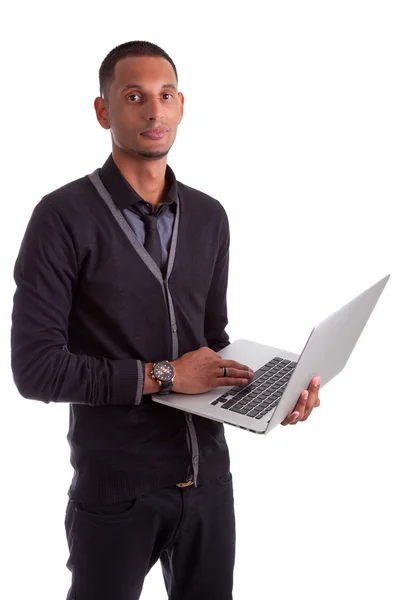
(202, 370)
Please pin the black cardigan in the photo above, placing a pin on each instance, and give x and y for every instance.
(90, 310)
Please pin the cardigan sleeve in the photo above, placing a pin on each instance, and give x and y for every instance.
(45, 274)
(216, 317)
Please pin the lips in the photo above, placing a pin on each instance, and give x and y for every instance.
(157, 133)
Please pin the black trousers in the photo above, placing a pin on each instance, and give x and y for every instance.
(191, 530)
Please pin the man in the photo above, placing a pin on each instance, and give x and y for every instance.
(121, 293)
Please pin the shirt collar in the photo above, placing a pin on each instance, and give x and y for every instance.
(121, 190)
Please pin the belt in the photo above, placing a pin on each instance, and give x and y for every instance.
(186, 484)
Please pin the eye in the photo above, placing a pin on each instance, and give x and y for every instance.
(137, 96)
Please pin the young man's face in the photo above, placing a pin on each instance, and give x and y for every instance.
(142, 95)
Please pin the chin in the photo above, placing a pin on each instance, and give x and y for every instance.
(153, 155)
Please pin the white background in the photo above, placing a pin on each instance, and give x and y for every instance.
(292, 122)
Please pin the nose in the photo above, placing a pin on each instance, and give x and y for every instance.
(154, 111)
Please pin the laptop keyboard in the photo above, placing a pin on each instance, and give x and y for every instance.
(264, 391)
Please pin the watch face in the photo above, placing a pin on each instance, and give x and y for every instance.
(163, 371)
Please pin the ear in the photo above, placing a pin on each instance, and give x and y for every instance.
(181, 105)
(101, 112)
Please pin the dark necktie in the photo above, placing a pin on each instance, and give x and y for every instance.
(152, 242)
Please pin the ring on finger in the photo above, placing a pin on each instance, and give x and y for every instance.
(224, 371)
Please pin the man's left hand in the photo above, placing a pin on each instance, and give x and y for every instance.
(307, 401)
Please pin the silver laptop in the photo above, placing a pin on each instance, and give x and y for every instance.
(281, 376)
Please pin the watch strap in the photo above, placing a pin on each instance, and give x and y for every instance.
(165, 388)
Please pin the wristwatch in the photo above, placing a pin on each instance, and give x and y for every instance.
(164, 373)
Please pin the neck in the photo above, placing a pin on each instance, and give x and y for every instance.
(147, 177)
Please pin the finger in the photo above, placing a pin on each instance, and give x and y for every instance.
(236, 373)
(309, 411)
(312, 400)
(230, 381)
(302, 403)
(236, 365)
(306, 414)
(298, 411)
(310, 408)
(314, 384)
(291, 419)
(313, 390)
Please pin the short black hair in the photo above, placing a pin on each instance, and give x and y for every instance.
(136, 48)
